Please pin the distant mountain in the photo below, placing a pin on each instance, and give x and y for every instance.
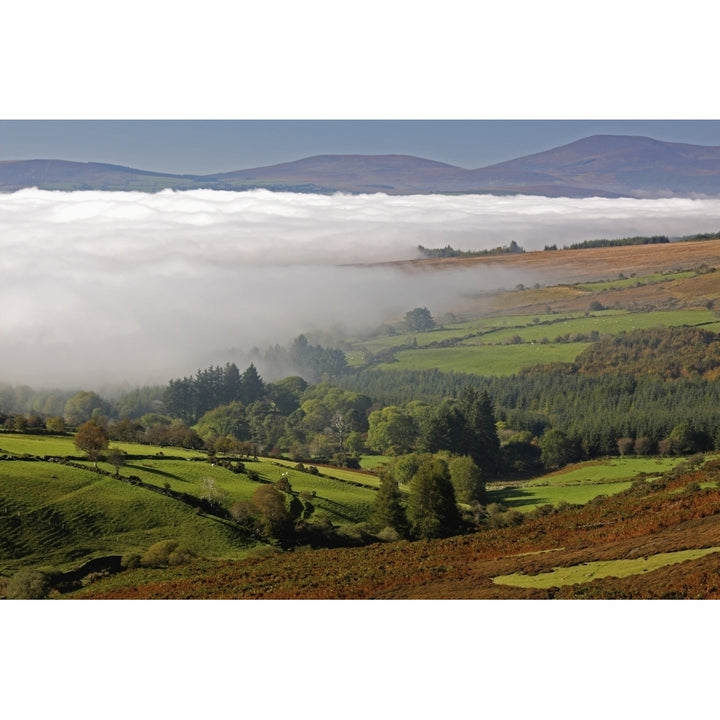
(67, 175)
(620, 164)
(602, 165)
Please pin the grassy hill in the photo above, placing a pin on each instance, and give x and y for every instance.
(659, 538)
(62, 516)
(59, 516)
(585, 294)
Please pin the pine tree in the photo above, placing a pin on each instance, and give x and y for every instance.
(432, 511)
(253, 387)
(388, 509)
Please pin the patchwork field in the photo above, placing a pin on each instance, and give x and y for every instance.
(60, 516)
(657, 539)
(589, 530)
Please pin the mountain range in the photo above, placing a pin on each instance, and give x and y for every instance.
(600, 165)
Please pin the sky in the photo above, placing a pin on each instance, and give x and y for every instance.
(209, 146)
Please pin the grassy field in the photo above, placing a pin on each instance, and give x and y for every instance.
(628, 282)
(659, 540)
(499, 360)
(58, 516)
(588, 571)
(62, 446)
(578, 484)
(502, 346)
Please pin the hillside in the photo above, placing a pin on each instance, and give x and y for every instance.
(631, 337)
(658, 539)
(601, 165)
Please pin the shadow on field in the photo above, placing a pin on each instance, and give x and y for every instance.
(327, 504)
(516, 497)
(155, 471)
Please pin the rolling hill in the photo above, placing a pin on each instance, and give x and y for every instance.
(600, 165)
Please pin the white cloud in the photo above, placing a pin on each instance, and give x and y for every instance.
(143, 287)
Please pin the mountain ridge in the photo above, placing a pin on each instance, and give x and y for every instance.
(598, 165)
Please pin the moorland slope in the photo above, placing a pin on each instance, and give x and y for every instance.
(651, 520)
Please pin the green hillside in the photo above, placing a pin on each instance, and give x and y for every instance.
(59, 516)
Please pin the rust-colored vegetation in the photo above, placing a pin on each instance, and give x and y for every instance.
(677, 512)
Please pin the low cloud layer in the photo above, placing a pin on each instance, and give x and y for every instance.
(102, 287)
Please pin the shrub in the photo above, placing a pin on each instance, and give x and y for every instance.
(28, 584)
(388, 534)
(241, 511)
(164, 553)
(262, 551)
(284, 483)
(130, 560)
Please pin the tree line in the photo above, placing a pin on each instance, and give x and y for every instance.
(644, 392)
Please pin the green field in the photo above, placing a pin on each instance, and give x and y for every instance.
(604, 568)
(63, 446)
(58, 516)
(604, 322)
(609, 470)
(578, 484)
(502, 346)
(629, 282)
(499, 360)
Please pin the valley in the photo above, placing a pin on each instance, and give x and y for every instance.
(95, 533)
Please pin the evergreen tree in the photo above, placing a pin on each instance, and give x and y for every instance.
(432, 511)
(481, 441)
(388, 509)
(231, 384)
(252, 386)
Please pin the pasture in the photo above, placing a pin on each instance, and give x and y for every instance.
(62, 446)
(587, 571)
(59, 516)
(486, 360)
(504, 345)
(579, 483)
(52, 515)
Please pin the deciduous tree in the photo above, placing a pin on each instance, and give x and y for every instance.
(273, 515)
(92, 439)
(467, 480)
(419, 319)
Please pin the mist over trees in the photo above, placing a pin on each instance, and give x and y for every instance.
(640, 392)
(419, 320)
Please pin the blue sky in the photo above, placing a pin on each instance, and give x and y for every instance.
(205, 146)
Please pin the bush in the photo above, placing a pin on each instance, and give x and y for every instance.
(388, 534)
(165, 553)
(28, 584)
(130, 560)
(262, 551)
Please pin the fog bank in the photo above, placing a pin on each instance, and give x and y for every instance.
(102, 287)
